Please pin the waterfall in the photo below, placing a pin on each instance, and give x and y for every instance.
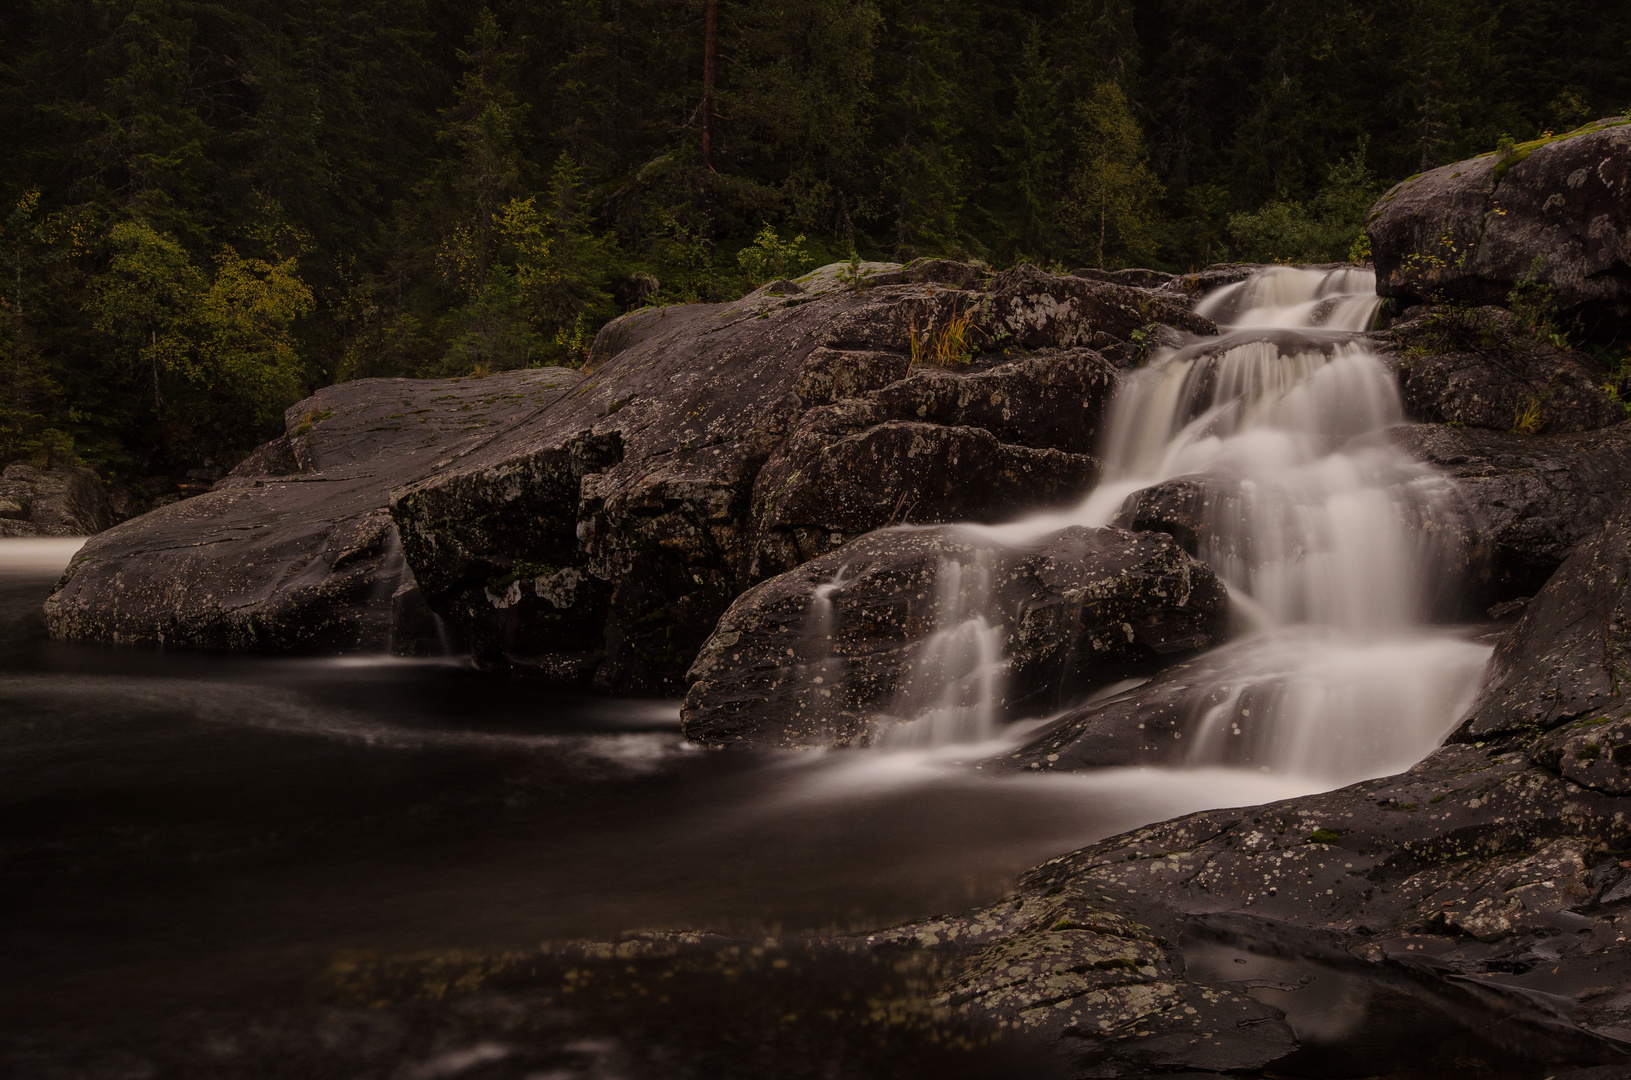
(954, 690)
(1325, 540)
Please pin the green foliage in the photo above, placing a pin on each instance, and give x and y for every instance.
(222, 343)
(770, 258)
(1330, 227)
(210, 206)
(1113, 192)
(1533, 303)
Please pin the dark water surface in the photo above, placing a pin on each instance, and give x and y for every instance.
(208, 861)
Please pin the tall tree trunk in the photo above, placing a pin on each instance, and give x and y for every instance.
(708, 86)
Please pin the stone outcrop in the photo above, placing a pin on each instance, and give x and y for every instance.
(63, 500)
(1478, 900)
(1569, 656)
(1478, 368)
(822, 654)
(683, 469)
(1552, 209)
(1529, 499)
(295, 550)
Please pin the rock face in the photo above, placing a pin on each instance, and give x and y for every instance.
(715, 445)
(934, 446)
(64, 500)
(1475, 901)
(1469, 232)
(1567, 658)
(816, 656)
(295, 550)
(1530, 499)
(1477, 368)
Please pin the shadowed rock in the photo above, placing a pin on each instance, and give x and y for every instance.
(295, 551)
(63, 500)
(649, 480)
(1469, 232)
(1479, 368)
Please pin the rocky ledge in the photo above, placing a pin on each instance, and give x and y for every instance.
(295, 550)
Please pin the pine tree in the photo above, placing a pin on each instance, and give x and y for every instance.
(1113, 192)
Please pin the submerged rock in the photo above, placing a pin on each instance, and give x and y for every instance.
(295, 550)
(821, 655)
(651, 480)
(64, 500)
(1552, 209)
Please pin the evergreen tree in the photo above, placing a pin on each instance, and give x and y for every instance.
(1113, 192)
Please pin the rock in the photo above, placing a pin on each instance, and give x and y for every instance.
(1137, 278)
(63, 500)
(1477, 368)
(647, 477)
(983, 445)
(1593, 753)
(1469, 232)
(295, 550)
(1470, 901)
(1532, 498)
(817, 656)
(1567, 656)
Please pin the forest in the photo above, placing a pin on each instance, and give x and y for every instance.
(213, 207)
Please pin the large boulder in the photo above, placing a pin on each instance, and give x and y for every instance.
(823, 654)
(295, 550)
(643, 482)
(1477, 367)
(63, 500)
(1552, 209)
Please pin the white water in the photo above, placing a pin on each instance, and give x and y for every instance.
(1324, 544)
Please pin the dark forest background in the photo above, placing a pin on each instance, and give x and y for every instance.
(210, 207)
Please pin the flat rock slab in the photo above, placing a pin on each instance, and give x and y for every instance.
(1477, 901)
(823, 654)
(295, 551)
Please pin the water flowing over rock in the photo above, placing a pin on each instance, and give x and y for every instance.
(932, 636)
(1526, 501)
(1553, 209)
(1258, 452)
(295, 551)
(686, 468)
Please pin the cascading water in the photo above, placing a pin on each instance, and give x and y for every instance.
(1330, 544)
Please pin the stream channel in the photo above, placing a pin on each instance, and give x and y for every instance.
(241, 866)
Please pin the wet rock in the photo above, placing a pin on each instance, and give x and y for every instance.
(1478, 368)
(64, 500)
(821, 654)
(295, 550)
(1466, 903)
(647, 477)
(984, 445)
(1532, 498)
(1469, 232)
(1593, 753)
(1567, 656)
